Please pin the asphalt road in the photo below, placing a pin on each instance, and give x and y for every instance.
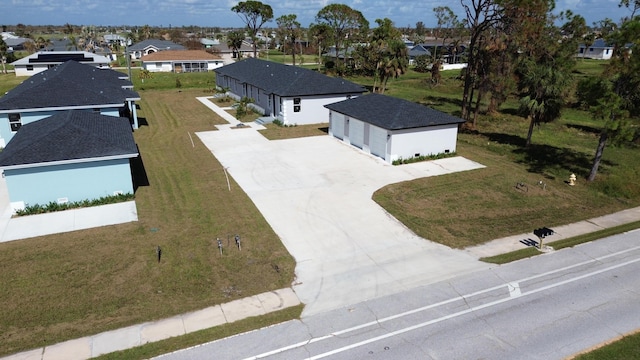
(547, 307)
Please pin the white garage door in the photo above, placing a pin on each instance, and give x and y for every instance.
(356, 133)
(378, 141)
(337, 125)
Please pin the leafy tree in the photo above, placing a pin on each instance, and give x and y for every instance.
(631, 5)
(545, 66)
(619, 102)
(4, 49)
(254, 14)
(482, 16)
(448, 25)
(389, 52)
(320, 33)
(234, 42)
(346, 26)
(421, 30)
(289, 30)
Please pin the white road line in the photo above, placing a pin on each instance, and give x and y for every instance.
(514, 289)
(460, 313)
(457, 298)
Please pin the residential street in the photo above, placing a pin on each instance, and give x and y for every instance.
(546, 307)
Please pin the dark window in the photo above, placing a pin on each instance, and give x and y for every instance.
(29, 67)
(296, 101)
(296, 108)
(15, 122)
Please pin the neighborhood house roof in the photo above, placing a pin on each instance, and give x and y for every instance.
(70, 84)
(392, 113)
(172, 55)
(285, 80)
(70, 136)
(155, 43)
(58, 57)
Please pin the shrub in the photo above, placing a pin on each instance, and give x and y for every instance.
(54, 206)
(423, 158)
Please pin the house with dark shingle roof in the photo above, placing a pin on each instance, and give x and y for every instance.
(393, 128)
(43, 60)
(70, 156)
(149, 46)
(290, 94)
(181, 61)
(69, 86)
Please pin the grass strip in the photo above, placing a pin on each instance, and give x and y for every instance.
(207, 335)
(561, 244)
(626, 347)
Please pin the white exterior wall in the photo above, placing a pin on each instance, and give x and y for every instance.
(21, 70)
(424, 141)
(161, 66)
(312, 110)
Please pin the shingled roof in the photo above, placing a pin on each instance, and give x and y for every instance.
(69, 85)
(180, 55)
(156, 43)
(286, 80)
(69, 136)
(392, 113)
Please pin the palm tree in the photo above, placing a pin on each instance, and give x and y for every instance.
(543, 88)
(234, 42)
(73, 43)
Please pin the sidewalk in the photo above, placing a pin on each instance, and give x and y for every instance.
(136, 335)
(512, 243)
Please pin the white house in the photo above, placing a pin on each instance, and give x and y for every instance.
(291, 94)
(44, 60)
(149, 46)
(598, 50)
(392, 128)
(181, 61)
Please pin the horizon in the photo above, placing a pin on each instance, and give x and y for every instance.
(203, 14)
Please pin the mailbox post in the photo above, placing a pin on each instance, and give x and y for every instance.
(542, 233)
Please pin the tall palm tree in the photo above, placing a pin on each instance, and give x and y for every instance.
(234, 42)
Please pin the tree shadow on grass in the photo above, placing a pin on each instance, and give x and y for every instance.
(586, 129)
(438, 100)
(541, 157)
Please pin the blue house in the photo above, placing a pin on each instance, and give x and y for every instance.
(68, 86)
(70, 156)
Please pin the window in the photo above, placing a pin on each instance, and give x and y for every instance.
(296, 104)
(29, 67)
(15, 122)
(296, 108)
(296, 101)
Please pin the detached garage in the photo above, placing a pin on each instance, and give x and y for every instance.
(393, 128)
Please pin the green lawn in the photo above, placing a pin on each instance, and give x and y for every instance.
(64, 286)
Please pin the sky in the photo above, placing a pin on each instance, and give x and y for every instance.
(217, 13)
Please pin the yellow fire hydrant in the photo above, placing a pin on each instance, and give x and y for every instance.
(572, 179)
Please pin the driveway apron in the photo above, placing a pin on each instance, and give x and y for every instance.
(316, 193)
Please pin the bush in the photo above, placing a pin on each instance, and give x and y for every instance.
(423, 158)
(589, 90)
(54, 206)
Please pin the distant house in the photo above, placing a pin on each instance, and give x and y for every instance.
(392, 128)
(291, 94)
(68, 86)
(15, 43)
(181, 61)
(149, 46)
(113, 39)
(417, 50)
(598, 50)
(230, 55)
(44, 60)
(79, 155)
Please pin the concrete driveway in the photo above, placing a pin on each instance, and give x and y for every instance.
(316, 194)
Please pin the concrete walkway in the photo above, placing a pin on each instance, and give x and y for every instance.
(136, 335)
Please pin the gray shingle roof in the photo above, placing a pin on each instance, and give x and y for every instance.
(286, 80)
(392, 113)
(70, 135)
(158, 44)
(69, 84)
